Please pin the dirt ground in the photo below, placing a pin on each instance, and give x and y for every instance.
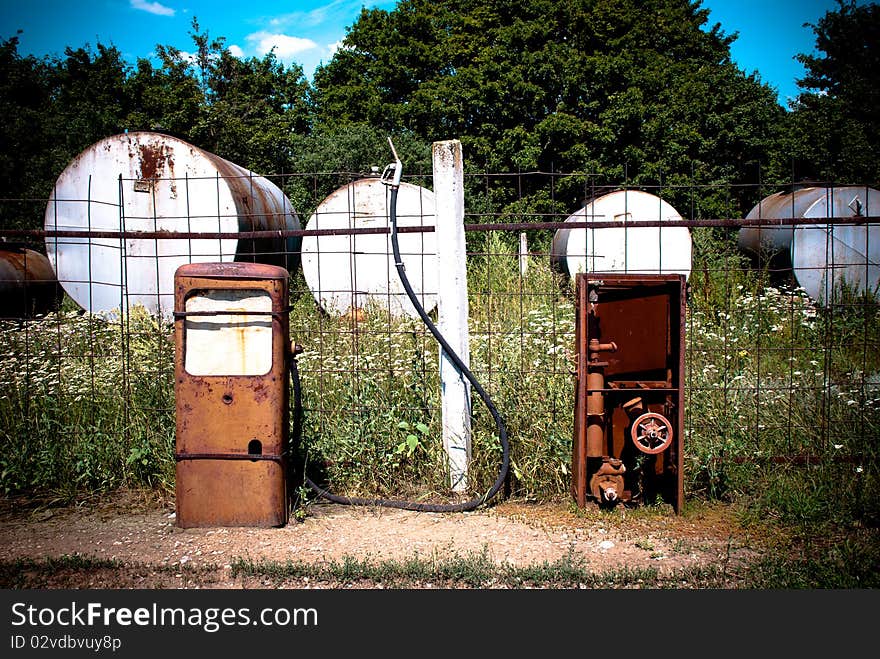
(139, 530)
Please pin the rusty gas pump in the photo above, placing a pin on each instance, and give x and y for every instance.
(231, 385)
(629, 335)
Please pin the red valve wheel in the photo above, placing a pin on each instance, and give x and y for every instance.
(652, 433)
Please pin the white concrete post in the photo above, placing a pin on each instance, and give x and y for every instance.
(523, 254)
(452, 307)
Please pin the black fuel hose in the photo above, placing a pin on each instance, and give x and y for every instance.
(463, 369)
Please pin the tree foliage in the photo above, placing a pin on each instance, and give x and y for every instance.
(24, 143)
(833, 131)
(624, 89)
(249, 111)
(634, 92)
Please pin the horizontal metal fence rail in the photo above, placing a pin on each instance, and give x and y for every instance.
(730, 223)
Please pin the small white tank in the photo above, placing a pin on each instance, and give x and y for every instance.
(824, 257)
(808, 202)
(144, 181)
(630, 249)
(356, 273)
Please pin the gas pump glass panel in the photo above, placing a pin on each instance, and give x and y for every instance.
(222, 342)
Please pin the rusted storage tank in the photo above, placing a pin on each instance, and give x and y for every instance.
(146, 181)
(356, 273)
(630, 248)
(28, 286)
(823, 256)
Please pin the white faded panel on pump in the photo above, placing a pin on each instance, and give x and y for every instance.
(143, 181)
(228, 343)
(348, 273)
(629, 249)
(827, 257)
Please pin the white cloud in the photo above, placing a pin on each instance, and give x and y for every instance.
(334, 11)
(236, 51)
(152, 7)
(285, 46)
(192, 58)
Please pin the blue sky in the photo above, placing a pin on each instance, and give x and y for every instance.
(771, 32)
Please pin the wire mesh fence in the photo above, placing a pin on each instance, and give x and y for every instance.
(779, 374)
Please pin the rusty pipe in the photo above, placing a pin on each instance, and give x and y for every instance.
(595, 415)
(596, 399)
(596, 347)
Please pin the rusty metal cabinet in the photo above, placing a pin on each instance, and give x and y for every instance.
(232, 394)
(629, 406)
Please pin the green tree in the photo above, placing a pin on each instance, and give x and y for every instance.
(167, 97)
(250, 111)
(328, 158)
(53, 109)
(833, 129)
(625, 90)
(24, 95)
(245, 110)
(255, 109)
(88, 97)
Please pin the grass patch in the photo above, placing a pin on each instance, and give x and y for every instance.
(474, 570)
(845, 566)
(87, 403)
(849, 564)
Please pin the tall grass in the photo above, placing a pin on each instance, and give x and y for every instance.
(372, 385)
(87, 402)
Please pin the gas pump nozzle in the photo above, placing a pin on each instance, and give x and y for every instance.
(393, 171)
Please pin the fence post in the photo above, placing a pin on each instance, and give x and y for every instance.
(452, 307)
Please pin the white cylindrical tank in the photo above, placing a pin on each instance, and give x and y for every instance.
(827, 258)
(806, 202)
(145, 181)
(356, 273)
(629, 249)
(824, 256)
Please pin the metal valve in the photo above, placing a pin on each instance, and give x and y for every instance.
(607, 484)
(651, 433)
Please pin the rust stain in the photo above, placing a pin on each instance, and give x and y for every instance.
(257, 210)
(261, 393)
(172, 178)
(153, 158)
